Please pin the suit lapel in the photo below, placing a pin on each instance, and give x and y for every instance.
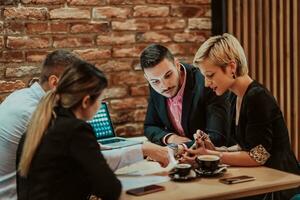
(163, 111)
(187, 100)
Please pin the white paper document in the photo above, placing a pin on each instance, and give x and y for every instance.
(145, 173)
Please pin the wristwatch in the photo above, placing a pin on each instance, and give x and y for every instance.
(174, 147)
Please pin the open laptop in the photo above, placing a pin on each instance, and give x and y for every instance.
(104, 130)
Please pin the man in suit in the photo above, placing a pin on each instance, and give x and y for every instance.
(179, 103)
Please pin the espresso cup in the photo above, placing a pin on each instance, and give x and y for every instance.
(183, 169)
(208, 163)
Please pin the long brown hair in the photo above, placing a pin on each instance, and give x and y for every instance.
(79, 80)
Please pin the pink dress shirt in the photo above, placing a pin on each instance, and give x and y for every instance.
(174, 107)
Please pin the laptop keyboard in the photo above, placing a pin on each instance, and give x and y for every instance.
(111, 141)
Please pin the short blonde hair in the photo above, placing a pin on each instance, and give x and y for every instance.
(221, 50)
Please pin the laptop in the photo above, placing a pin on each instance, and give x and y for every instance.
(104, 130)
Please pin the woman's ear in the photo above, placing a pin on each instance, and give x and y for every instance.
(85, 101)
(233, 67)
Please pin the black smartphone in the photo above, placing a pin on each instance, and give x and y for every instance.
(237, 179)
(145, 190)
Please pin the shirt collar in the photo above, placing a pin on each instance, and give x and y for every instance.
(37, 89)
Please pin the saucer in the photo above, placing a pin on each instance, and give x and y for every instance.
(218, 172)
(175, 177)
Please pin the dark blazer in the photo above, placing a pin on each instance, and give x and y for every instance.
(201, 109)
(68, 164)
(261, 123)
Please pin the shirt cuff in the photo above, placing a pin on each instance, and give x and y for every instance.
(118, 158)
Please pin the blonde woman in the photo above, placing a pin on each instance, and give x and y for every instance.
(257, 122)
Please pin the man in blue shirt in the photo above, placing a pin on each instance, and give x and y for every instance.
(16, 111)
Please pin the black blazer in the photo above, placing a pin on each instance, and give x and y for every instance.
(68, 164)
(201, 109)
(261, 123)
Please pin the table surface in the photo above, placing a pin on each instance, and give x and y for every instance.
(267, 180)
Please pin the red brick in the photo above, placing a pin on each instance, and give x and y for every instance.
(2, 70)
(198, 37)
(186, 59)
(115, 65)
(189, 11)
(130, 129)
(158, 24)
(122, 116)
(1, 42)
(128, 78)
(86, 2)
(12, 72)
(131, 24)
(94, 27)
(70, 13)
(36, 56)
(12, 27)
(115, 38)
(93, 54)
(8, 2)
(115, 92)
(129, 103)
(199, 23)
(25, 13)
(37, 28)
(12, 56)
(10, 86)
(63, 42)
(183, 48)
(140, 90)
(154, 37)
(151, 11)
(111, 12)
(197, 1)
(27, 42)
(128, 51)
(59, 27)
(136, 65)
(129, 2)
(139, 115)
(50, 2)
(165, 1)
(1, 27)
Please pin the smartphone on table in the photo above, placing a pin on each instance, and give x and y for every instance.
(145, 190)
(237, 179)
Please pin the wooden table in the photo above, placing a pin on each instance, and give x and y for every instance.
(267, 180)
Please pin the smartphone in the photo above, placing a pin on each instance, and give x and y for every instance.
(237, 179)
(145, 190)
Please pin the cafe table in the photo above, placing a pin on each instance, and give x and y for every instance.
(267, 180)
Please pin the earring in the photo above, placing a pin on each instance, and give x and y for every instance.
(233, 75)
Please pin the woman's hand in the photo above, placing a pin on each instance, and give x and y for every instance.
(157, 153)
(200, 136)
(190, 154)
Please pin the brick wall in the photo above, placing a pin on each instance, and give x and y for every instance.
(108, 33)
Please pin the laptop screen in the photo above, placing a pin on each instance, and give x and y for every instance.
(102, 124)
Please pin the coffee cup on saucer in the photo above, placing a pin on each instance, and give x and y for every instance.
(183, 169)
(208, 163)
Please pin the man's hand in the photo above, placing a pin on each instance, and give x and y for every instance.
(158, 153)
(177, 139)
